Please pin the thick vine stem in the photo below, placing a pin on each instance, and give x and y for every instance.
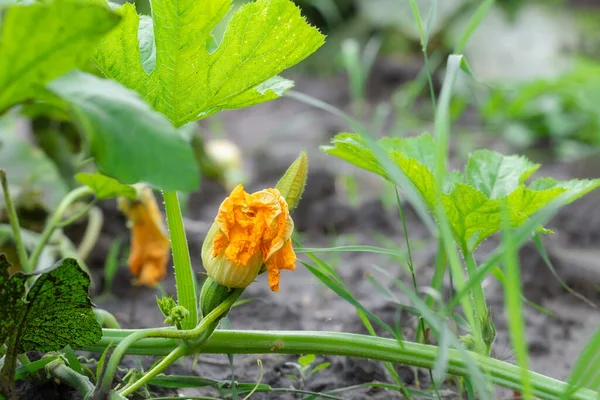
(351, 345)
(105, 384)
(81, 383)
(184, 274)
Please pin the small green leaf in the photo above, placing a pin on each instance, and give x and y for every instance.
(128, 140)
(43, 40)
(497, 175)
(55, 312)
(528, 201)
(192, 76)
(576, 188)
(320, 367)
(420, 148)
(306, 359)
(105, 187)
(474, 217)
(415, 156)
(353, 148)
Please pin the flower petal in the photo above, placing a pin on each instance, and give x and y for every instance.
(284, 258)
(149, 243)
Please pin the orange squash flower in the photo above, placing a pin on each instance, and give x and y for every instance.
(250, 230)
(149, 241)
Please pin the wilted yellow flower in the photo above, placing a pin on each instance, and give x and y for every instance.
(249, 230)
(149, 242)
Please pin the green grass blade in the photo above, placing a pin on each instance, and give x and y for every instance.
(514, 308)
(472, 25)
(539, 244)
(437, 324)
(353, 248)
(442, 135)
(32, 367)
(342, 291)
(585, 369)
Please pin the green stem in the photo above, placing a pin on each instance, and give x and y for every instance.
(56, 220)
(92, 232)
(480, 306)
(79, 382)
(170, 333)
(177, 353)
(351, 345)
(437, 281)
(106, 319)
(184, 274)
(477, 290)
(14, 223)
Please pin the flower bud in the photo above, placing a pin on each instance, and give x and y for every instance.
(174, 313)
(488, 329)
(291, 185)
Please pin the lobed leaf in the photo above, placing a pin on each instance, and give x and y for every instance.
(415, 156)
(473, 202)
(178, 67)
(129, 141)
(497, 175)
(43, 40)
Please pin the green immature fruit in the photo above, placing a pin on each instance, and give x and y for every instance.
(211, 296)
(291, 185)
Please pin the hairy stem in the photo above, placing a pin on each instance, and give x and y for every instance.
(79, 382)
(177, 353)
(184, 274)
(92, 232)
(56, 220)
(351, 345)
(481, 311)
(196, 333)
(14, 223)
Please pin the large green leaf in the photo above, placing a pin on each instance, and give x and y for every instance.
(32, 177)
(474, 202)
(191, 76)
(497, 175)
(43, 40)
(55, 312)
(129, 141)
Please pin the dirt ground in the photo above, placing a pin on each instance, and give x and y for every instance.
(271, 136)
